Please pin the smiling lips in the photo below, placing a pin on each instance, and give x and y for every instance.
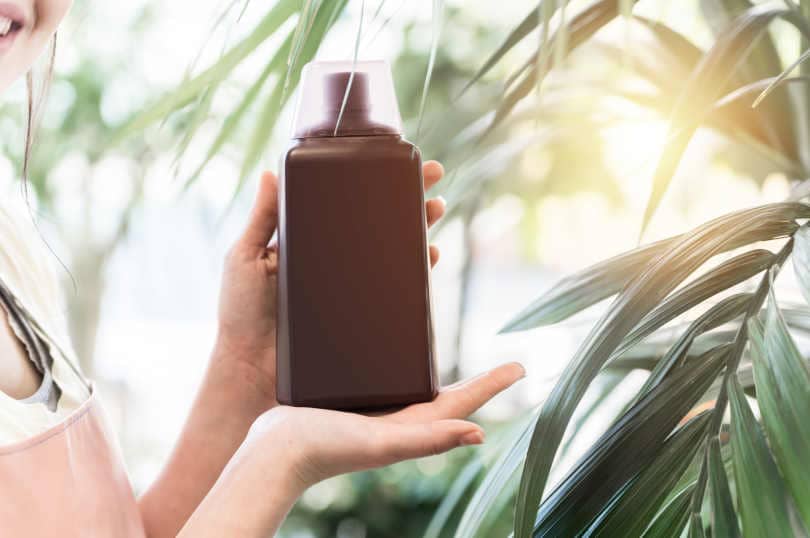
(12, 20)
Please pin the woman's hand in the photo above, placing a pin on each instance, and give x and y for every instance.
(240, 385)
(247, 309)
(289, 449)
(327, 443)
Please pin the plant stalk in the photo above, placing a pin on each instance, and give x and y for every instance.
(740, 341)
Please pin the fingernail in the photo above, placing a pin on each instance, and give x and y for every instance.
(523, 369)
(472, 438)
(442, 200)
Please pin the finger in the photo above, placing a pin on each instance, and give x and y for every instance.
(434, 255)
(264, 216)
(434, 209)
(432, 172)
(464, 398)
(397, 441)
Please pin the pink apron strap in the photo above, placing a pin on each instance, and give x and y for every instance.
(68, 481)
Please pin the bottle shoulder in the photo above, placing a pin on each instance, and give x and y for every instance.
(351, 147)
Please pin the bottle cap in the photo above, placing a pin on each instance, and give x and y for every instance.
(346, 99)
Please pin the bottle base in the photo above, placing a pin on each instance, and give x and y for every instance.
(362, 403)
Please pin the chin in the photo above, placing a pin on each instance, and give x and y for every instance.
(26, 26)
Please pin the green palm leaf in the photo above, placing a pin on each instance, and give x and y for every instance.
(586, 288)
(605, 279)
(723, 312)
(578, 31)
(195, 86)
(669, 523)
(696, 527)
(493, 484)
(517, 35)
(783, 393)
(708, 82)
(636, 506)
(776, 118)
(724, 518)
(452, 498)
(627, 448)
(274, 103)
(760, 490)
(236, 116)
(724, 276)
(438, 21)
(638, 298)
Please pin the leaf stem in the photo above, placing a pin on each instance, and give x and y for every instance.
(740, 341)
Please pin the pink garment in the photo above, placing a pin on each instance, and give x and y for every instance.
(68, 482)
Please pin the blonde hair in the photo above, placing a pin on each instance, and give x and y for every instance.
(36, 99)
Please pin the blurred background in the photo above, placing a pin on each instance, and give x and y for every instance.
(565, 186)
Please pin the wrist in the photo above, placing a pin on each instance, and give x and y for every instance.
(252, 497)
(274, 461)
(275, 440)
(249, 370)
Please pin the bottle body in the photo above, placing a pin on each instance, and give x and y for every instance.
(355, 328)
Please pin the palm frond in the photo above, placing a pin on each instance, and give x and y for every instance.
(259, 107)
(670, 521)
(724, 517)
(635, 507)
(760, 489)
(635, 301)
(706, 84)
(781, 78)
(783, 393)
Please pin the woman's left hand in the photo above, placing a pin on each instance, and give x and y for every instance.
(320, 443)
(289, 449)
(247, 307)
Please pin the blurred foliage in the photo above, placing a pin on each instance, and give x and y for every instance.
(85, 210)
(509, 113)
(403, 500)
(568, 159)
(572, 145)
(396, 502)
(631, 480)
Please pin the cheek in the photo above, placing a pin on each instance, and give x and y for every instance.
(50, 13)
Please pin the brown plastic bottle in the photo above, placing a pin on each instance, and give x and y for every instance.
(355, 328)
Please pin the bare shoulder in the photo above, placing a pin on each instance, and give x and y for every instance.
(25, 274)
(18, 377)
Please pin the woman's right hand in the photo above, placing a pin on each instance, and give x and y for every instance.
(289, 449)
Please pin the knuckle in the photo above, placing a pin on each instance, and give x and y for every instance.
(434, 443)
(436, 448)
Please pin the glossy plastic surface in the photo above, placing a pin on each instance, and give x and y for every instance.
(355, 327)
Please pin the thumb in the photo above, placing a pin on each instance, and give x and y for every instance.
(264, 216)
(403, 441)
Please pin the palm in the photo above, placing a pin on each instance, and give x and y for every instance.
(337, 442)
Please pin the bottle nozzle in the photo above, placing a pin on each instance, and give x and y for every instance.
(370, 106)
(335, 92)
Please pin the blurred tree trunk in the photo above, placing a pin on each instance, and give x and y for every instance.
(84, 304)
(465, 277)
(89, 265)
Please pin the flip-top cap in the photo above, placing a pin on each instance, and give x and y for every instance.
(346, 99)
